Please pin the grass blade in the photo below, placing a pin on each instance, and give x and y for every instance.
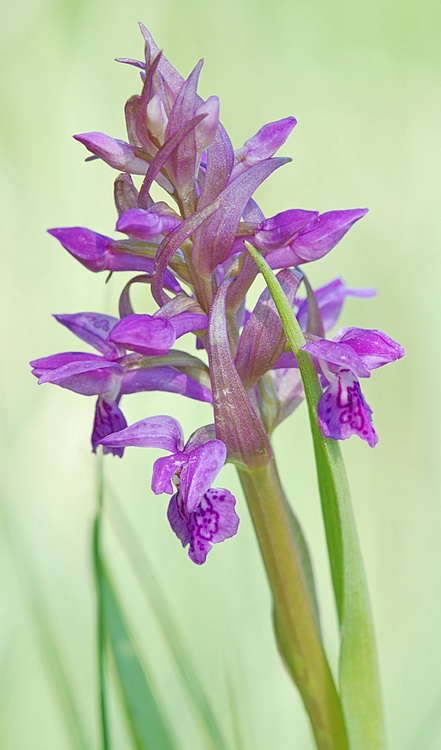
(147, 725)
(146, 576)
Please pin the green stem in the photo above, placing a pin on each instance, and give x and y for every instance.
(358, 671)
(100, 620)
(296, 626)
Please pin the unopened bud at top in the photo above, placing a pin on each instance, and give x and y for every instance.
(205, 130)
(117, 154)
(157, 118)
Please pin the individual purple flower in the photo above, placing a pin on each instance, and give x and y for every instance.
(100, 253)
(352, 353)
(146, 224)
(155, 334)
(316, 239)
(117, 154)
(199, 515)
(264, 144)
(104, 376)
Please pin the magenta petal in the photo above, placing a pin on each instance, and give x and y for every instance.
(268, 140)
(55, 361)
(118, 154)
(152, 432)
(145, 225)
(213, 521)
(93, 328)
(144, 334)
(90, 248)
(201, 468)
(164, 379)
(186, 322)
(330, 299)
(372, 346)
(178, 521)
(343, 412)
(108, 418)
(164, 469)
(323, 234)
(341, 355)
(280, 229)
(89, 377)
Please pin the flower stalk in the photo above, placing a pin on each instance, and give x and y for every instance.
(296, 625)
(359, 681)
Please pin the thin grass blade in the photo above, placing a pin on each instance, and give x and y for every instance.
(154, 594)
(146, 721)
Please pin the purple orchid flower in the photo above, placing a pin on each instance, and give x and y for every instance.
(106, 376)
(199, 515)
(316, 239)
(352, 353)
(100, 253)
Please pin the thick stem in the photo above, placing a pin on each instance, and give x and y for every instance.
(100, 622)
(296, 626)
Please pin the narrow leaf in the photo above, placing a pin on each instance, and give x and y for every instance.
(155, 597)
(146, 722)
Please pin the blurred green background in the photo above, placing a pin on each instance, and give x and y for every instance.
(363, 81)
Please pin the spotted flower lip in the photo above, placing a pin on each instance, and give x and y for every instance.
(198, 514)
(352, 353)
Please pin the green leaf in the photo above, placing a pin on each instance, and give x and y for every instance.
(145, 720)
(359, 683)
(162, 610)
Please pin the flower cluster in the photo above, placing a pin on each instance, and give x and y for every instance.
(190, 249)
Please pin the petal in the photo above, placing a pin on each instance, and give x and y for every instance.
(280, 229)
(108, 419)
(178, 521)
(341, 355)
(90, 248)
(89, 377)
(186, 322)
(144, 334)
(343, 412)
(330, 299)
(201, 468)
(372, 346)
(164, 379)
(206, 129)
(213, 521)
(164, 469)
(118, 154)
(93, 328)
(55, 361)
(145, 225)
(324, 233)
(153, 432)
(267, 140)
